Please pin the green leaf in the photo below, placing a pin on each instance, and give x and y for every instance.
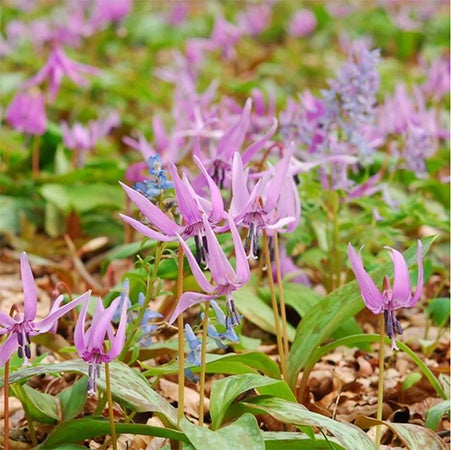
(331, 312)
(414, 436)
(410, 380)
(225, 391)
(348, 435)
(127, 385)
(73, 399)
(243, 434)
(82, 198)
(438, 309)
(77, 430)
(42, 407)
(253, 362)
(281, 440)
(435, 413)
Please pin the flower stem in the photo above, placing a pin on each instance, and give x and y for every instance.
(275, 306)
(380, 386)
(202, 364)
(283, 311)
(181, 341)
(110, 405)
(35, 156)
(6, 407)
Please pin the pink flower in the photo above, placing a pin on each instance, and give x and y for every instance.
(57, 66)
(390, 299)
(302, 23)
(26, 112)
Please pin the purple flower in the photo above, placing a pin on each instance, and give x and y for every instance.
(191, 207)
(263, 206)
(226, 278)
(302, 23)
(106, 11)
(57, 66)
(21, 326)
(390, 299)
(90, 344)
(26, 112)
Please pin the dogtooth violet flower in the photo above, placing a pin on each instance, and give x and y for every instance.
(227, 280)
(191, 207)
(23, 325)
(57, 66)
(390, 299)
(256, 208)
(90, 344)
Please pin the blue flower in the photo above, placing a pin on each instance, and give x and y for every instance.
(195, 346)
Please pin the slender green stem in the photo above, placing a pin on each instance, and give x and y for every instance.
(181, 342)
(283, 310)
(20, 390)
(6, 407)
(110, 406)
(203, 358)
(380, 386)
(275, 306)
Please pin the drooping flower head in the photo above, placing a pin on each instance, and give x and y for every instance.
(23, 325)
(390, 298)
(226, 278)
(90, 343)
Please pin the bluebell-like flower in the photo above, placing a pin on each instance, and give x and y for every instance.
(157, 181)
(195, 346)
(148, 327)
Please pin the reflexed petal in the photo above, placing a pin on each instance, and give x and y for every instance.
(242, 263)
(6, 321)
(147, 231)
(117, 342)
(59, 311)
(79, 332)
(185, 201)
(258, 145)
(218, 262)
(7, 348)
(186, 300)
(29, 288)
(401, 292)
(373, 299)
(197, 271)
(101, 322)
(419, 288)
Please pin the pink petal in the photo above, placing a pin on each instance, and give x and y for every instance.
(186, 300)
(373, 299)
(7, 348)
(401, 292)
(419, 288)
(29, 288)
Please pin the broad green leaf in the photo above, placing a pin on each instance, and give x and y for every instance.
(225, 391)
(285, 440)
(257, 311)
(414, 436)
(243, 434)
(41, 406)
(438, 309)
(82, 198)
(348, 435)
(73, 399)
(89, 427)
(253, 362)
(435, 413)
(128, 386)
(331, 312)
